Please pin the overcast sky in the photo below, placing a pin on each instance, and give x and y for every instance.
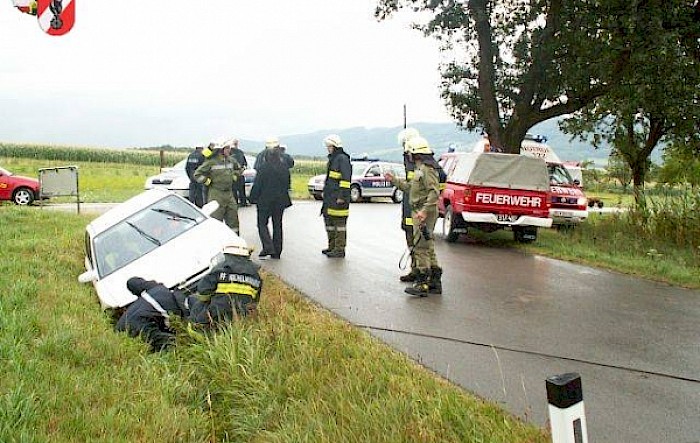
(145, 73)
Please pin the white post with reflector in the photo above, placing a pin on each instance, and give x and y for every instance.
(566, 413)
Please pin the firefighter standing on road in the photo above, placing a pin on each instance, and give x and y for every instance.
(336, 197)
(424, 191)
(219, 173)
(406, 216)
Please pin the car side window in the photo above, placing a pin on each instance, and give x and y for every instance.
(373, 171)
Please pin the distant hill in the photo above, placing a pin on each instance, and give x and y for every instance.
(382, 143)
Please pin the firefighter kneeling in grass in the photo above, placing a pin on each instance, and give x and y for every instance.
(424, 191)
(230, 290)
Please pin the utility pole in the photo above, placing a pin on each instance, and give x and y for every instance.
(404, 115)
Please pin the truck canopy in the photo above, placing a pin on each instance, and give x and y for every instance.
(500, 171)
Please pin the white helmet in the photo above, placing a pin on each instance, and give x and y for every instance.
(333, 140)
(272, 142)
(237, 249)
(405, 135)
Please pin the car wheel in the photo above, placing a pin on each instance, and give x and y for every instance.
(23, 196)
(355, 194)
(448, 225)
(318, 196)
(397, 197)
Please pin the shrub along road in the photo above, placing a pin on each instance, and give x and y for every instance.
(506, 321)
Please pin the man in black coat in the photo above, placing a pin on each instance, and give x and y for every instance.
(149, 315)
(271, 195)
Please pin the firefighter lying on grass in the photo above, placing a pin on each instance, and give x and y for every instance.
(231, 290)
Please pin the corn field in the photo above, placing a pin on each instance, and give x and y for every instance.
(79, 154)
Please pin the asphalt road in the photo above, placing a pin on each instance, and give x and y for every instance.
(506, 321)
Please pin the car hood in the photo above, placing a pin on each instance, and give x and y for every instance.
(184, 259)
(25, 181)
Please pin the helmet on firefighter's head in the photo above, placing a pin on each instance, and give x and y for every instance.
(209, 150)
(272, 142)
(418, 145)
(405, 135)
(240, 249)
(333, 140)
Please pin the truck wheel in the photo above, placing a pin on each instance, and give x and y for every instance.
(355, 194)
(23, 196)
(591, 203)
(397, 197)
(600, 203)
(449, 225)
(318, 197)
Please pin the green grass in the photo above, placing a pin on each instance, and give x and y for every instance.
(293, 373)
(98, 182)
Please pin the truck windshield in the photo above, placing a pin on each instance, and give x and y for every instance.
(558, 175)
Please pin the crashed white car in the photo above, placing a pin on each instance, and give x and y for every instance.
(176, 179)
(157, 235)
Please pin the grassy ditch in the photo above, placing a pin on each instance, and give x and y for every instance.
(294, 373)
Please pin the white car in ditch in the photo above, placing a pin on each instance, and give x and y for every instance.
(157, 235)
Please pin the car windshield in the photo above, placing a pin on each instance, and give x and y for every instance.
(558, 175)
(143, 232)
(358, 169)
(4, 171)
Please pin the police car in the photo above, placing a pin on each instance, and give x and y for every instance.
(367, 181)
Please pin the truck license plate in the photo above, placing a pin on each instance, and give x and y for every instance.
(506, 217)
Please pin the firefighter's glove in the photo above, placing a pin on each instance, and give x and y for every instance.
(207, 182)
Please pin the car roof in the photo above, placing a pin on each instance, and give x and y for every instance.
(123, 210)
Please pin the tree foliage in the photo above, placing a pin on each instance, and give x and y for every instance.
(520, 62)
(658, 98)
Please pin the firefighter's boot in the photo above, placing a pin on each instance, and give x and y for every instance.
(420, 287)
(332, 234)
(410, 277)
(435, 282)
(340, 241)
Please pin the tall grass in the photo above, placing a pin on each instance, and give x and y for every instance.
(293, 373)
(659, 242)
(99, 182)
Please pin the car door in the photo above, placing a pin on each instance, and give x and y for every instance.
(5, 188)
(373, 183)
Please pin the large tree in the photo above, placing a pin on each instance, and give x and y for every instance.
(658, 99)
(520, 62)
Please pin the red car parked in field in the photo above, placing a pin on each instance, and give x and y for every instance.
(20, 190)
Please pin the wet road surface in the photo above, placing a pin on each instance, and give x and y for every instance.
(506, 321)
